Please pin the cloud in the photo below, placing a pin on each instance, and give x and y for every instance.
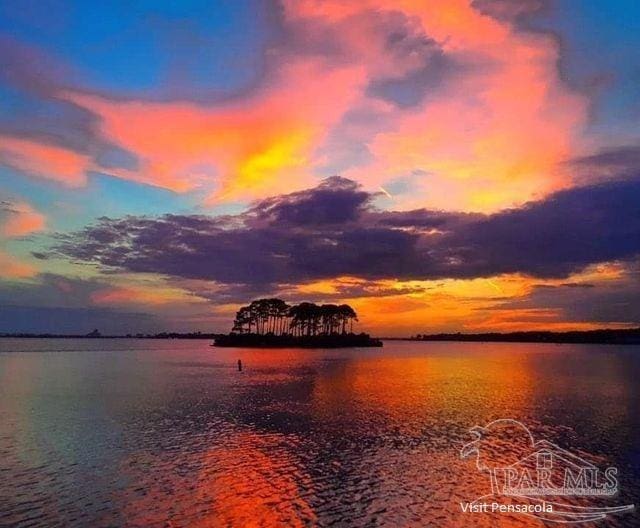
(335, 201)
(32, 69)
(50, 290)
(275, 243)
(612, 300)
(624, 157)
(13, 268)
(44, 160)
(556, 236)
(605, 164)
(40, 134)
(238, 149)
(18, 219)
(139, 295)
(509, 10)
(483, 117)
(462, 98)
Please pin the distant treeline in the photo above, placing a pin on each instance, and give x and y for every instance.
(276, 317)
(605, 336)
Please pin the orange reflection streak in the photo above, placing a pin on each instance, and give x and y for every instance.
(248, 479)
(416, 396)
(255, 475)
(407, 388)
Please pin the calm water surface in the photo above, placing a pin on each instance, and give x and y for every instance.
(169, 433)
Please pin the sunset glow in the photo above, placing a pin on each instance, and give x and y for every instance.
(440, 166)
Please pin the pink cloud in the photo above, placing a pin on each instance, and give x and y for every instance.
(19, 219)
(494, 134)
(44, 161)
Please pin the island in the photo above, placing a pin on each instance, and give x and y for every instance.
(272, 323)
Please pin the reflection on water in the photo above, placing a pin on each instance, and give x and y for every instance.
(169, 433)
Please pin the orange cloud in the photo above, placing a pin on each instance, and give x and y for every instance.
(452, 305)
(21, 219)
(488, 135)
(44, 161)
(532, 319)
(248, 147)
(17, 219)
(12, 268)
(493, 136)
(123, 295)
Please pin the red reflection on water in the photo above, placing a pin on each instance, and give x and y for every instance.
(247, 480)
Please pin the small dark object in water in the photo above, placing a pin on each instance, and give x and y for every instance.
(239, 365)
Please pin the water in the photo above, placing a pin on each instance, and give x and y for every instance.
(169, 433)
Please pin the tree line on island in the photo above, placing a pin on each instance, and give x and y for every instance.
(272, 323)
(307, 319)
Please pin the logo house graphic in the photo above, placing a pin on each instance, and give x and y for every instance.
(523, 469)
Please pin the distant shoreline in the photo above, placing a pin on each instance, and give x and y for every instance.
(600, 337)
(605, 336)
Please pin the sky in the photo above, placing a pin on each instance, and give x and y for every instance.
(469, 165)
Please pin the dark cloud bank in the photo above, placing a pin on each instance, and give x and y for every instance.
(334, 230)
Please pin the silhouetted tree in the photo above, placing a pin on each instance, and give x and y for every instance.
(264, 316)
(242, 322)
(347, 315)
(274, 316)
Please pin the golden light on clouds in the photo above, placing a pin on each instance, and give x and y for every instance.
(489, 136)
(398, 308)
